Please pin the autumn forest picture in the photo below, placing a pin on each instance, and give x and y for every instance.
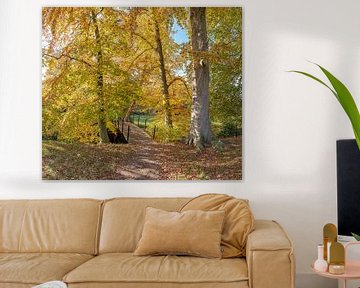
(142, 93)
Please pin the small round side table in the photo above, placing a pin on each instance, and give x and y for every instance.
(352, 269)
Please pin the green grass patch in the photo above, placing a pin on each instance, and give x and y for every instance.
(142, 119)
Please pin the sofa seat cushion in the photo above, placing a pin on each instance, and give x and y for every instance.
(242, 284)
(15, 285)
(127, 268)
(36, 268)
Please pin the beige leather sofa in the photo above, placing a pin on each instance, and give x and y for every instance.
(89, 243)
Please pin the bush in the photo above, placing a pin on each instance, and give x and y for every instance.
(228, 130)
(166, 134)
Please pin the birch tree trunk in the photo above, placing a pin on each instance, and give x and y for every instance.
(200, 129)
(165, 86)
(104, 137)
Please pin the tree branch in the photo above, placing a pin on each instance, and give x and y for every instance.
(70, 57)
(143, 38)
(101, 10)
(181, 80)
(137, 57)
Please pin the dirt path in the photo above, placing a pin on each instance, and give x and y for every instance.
(145, 163)
(142, 159)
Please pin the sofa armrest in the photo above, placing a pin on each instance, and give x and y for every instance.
(269, 256)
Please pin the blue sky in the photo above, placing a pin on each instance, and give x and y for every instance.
(179, 34)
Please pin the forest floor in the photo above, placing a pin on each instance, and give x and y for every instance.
(142, 159)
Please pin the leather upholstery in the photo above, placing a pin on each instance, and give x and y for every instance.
(15, 285)
(41, 226)
(64, 226)
(193, 233)
(269, 256)
(36, 268)
(127, 268)
(123, 220)
(239, 220)
(242, 284)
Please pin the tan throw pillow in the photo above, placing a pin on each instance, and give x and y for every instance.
(196, 233)
(239, 220)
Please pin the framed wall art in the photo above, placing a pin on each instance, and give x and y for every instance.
(151, 93)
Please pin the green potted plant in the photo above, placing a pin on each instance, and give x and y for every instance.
(357, 237)
(344, 97)
(346, 100)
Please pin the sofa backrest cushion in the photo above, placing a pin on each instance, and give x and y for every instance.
(66, 226)
(123, 220)
(239, 220)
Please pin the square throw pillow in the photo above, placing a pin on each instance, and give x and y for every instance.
(238, 223)
(193, 232)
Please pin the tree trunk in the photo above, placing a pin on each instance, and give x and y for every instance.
(104, 137)
(200, 129)
(165, 86)
(128, 113)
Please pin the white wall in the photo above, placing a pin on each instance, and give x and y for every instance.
(291, 123)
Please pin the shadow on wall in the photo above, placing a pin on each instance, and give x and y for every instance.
(298, 121)
(315, 281)
(292, 123)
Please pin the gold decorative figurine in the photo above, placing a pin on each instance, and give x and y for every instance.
(330, 236)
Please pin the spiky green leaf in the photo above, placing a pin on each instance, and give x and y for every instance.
(344, 97)
(356, 236)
